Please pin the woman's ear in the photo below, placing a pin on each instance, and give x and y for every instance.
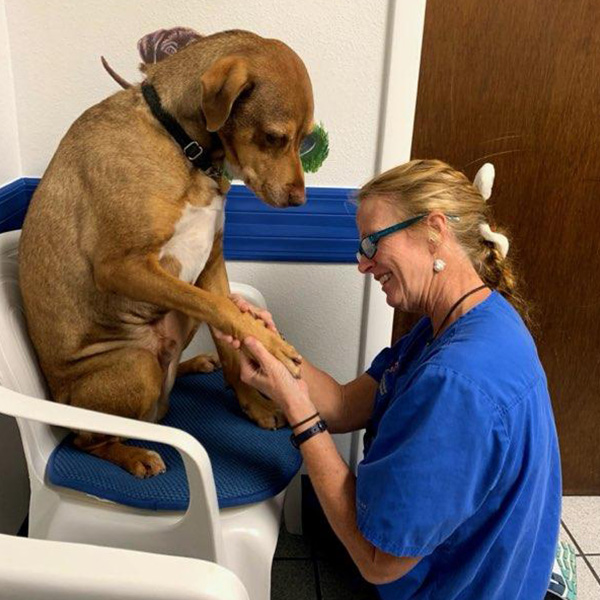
(437, 227)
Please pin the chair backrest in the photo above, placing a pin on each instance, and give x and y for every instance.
(19, 369)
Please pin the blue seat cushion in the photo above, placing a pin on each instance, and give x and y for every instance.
(249, 464)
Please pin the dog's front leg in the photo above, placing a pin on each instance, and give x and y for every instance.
(141, 277)
(260, 409)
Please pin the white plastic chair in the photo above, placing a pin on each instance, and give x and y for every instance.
(32, 569)
(242, 539)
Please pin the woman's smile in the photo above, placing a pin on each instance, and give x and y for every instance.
(384, 279)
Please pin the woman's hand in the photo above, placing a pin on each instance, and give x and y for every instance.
(244, 306)
(260, 369)
(257, 313)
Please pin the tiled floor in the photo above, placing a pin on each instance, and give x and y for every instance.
(316, 567)
(581, 528)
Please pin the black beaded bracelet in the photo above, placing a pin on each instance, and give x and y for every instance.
(305, 420)
(318, 427)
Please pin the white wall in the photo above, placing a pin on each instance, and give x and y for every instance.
(10, 161)
(56, 48)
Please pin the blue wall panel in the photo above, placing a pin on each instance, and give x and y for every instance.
(322, 230)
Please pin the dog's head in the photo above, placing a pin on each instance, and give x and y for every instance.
(260, 103)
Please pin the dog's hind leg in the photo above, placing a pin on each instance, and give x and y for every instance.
(125, 382)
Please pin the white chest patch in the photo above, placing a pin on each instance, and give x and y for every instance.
(193, 237)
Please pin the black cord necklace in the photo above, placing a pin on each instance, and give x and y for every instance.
(453, 309)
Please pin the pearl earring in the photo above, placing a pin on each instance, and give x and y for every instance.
(439, 265)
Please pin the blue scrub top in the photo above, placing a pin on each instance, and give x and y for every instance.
(461, 463)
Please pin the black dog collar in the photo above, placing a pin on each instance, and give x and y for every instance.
(193, 151)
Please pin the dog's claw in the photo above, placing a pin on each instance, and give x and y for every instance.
(145, 463)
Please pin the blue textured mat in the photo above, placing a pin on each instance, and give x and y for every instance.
(249, 463)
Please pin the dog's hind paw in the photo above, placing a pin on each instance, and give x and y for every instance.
(203, 363)
(143, 463)
(261, 410)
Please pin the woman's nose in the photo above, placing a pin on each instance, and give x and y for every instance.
(364, 264)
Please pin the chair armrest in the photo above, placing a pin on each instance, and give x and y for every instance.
(203, 495)
(22, 406)
(33, 568)
(251, 294)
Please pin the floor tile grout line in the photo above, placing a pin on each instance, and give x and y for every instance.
(592, 569)
(578, 551)
(562, 522)
(317, 579)
(313, 554)
(587, 562)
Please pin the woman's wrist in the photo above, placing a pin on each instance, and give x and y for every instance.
(306, 423)
(301, 415)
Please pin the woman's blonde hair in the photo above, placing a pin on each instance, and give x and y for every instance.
(424, 186)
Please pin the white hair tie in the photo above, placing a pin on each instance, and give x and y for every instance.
(484, 181)
(499, 240)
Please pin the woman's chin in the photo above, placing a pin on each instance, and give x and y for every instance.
(394, 304)
(394, 299)
(390, 298)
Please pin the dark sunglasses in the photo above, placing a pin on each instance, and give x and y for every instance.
(368, 245)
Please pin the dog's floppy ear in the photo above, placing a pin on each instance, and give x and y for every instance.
(222, 83)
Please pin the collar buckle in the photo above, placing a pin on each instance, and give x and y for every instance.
(193, 150)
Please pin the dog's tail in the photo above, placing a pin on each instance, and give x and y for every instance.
(122, 82)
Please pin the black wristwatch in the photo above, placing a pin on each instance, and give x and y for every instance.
(318, 427)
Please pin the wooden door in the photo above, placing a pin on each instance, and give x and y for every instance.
(517, 83)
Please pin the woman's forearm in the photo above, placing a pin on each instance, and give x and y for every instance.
(345, 407)
(326, 394)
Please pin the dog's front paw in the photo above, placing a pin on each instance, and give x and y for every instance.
(246, 325)
(287, 354)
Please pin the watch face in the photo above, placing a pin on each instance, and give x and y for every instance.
(308, 433)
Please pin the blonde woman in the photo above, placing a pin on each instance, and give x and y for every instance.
(458, 494)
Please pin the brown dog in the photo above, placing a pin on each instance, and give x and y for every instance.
(121, 254)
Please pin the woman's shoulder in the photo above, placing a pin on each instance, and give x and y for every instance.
(491, 346)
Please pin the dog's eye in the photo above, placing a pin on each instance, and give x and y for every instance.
(275, 140)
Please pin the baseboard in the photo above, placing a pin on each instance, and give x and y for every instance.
(323, 230)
